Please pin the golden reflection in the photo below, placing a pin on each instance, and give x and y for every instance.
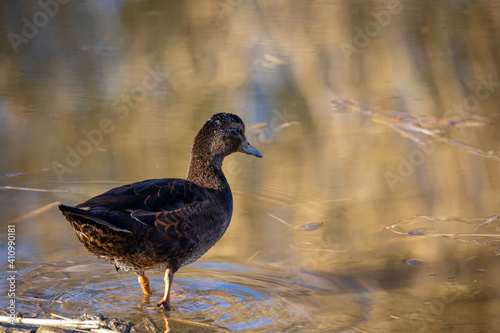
(113, 93)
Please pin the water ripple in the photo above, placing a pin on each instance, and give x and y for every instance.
(232, 297)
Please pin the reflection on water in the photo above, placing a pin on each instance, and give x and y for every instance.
(98, 94)
(221, 295)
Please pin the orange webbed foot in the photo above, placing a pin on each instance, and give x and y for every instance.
(165, 301)
(165, 304)
(144, 282)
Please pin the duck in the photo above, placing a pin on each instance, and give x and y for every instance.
(164, 224)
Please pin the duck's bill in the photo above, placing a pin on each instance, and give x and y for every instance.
(247, 149)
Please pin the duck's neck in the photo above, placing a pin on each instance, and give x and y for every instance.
(206, 172)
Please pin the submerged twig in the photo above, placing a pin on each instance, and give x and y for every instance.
(462, 235)
(69, 323)
(408, 135)
(251, 258)
(309, 226)
(288, 124)
(407, 125)
(303, 226)
(31, 189)
(293, 246)
(491, 219)
(359, 329)
(256, 126)
(34, 212)
(490, 154)
(406, 227)
(281, 220)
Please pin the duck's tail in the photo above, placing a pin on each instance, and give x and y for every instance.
(94, 217)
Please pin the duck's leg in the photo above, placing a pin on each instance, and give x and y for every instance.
(165, 302)
(144, 282)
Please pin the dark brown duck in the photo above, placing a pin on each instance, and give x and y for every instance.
(163, 224)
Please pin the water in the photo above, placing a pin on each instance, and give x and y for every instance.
(221, 295)
(375, 205)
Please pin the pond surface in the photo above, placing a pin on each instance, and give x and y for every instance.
(375, 207)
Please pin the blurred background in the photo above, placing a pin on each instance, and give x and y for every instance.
(373, 207)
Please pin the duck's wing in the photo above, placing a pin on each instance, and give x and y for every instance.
(178, 209)
(144, 199)
(175, 215)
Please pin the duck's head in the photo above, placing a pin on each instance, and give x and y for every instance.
(222, 135)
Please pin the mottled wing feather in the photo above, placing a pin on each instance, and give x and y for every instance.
(182, 222)
(151, 195)
(172, 206)
(188, 228)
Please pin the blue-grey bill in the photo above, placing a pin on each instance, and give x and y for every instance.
(247, 149)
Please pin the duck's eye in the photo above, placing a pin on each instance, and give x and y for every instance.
(234, 130)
